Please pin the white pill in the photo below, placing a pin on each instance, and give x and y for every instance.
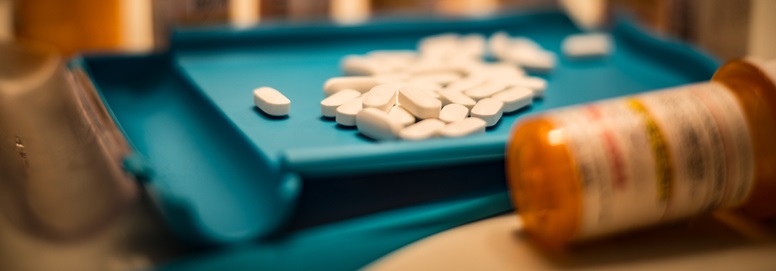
(440, 78)
(381, 97)
(435, 66)
(422, 130)
(498, 44)
(271, 101)
(535, 60)
(427, 88)
(455, 97)
(466, 83)
(329, 104)
(472, 44)
(358, 65)
(398, 114)
(418, 103)
(586, 45)
(376, 124)
(500, 70)
(359, 83)
(523, 42)
(513, 98)
(464, 127)
(393, 54)
(438, 45)
(346, 113)
(489, 110)
(392, 78)
(537, 84)
(453, 112)
(486, 90)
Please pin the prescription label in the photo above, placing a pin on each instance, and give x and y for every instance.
(656, 157)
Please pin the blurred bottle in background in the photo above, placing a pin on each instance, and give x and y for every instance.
(727, 29)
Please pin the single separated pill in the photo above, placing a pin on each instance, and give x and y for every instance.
(346, 113)
(464, 127)
(358, 83)
(381, 97)
(586, 45)
(418, 103)
(422, 130)
(271, 101)
(329, 104)
(513, 98)
(453, 113)
(376, 124)
(398, 114)
(489, 110)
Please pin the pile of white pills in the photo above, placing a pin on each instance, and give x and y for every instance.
(445, 88)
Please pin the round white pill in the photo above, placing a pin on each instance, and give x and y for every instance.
(271, 101)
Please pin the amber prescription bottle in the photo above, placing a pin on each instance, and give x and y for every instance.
(585, 171)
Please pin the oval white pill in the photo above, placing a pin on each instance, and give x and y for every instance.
(439, 78)
(393, 54)
(455, 97)
(418, 103)
(538, 85)
(453, 112)
(500, 70)
(358, 83)
(381, 96)
(329, 104)
(392, 78)
(422, 130)
(376, 124)
(467, 82)
(534, 60)
(486, 90)
(586, 45)
(489, 110)
(514, 98)
(346, 113)
(472, 44)
(498, 44)
(464, 127)
(398, 114)
(359, 65)
(271, 101)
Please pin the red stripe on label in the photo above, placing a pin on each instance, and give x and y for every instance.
(613, 153)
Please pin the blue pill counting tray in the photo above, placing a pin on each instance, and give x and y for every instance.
(223, 172)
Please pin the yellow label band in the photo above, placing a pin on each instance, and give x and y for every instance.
(657, 141)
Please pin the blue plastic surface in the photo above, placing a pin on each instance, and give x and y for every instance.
(224, 172)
